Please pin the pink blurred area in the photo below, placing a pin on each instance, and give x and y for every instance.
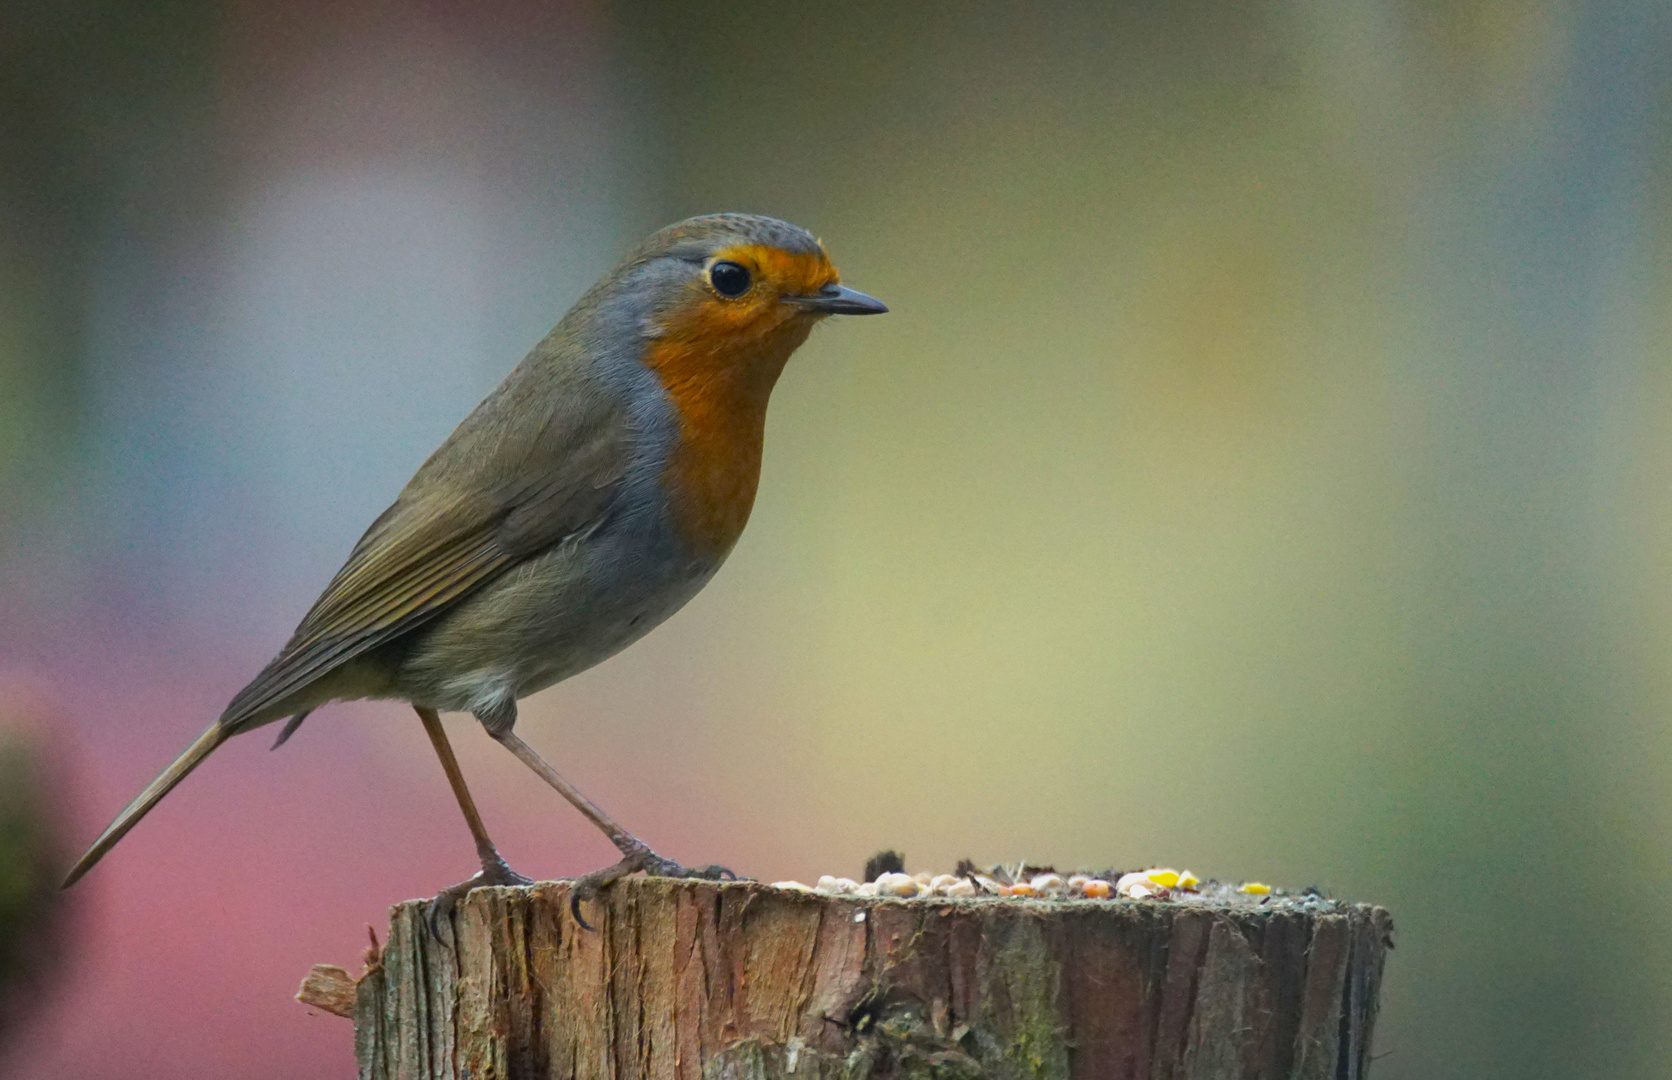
(190, 939)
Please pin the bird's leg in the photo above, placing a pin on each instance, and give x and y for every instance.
(635, 853)
(494, 869)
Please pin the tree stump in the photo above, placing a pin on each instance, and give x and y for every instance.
(743, 981)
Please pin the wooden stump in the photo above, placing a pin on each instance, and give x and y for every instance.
(708, 981)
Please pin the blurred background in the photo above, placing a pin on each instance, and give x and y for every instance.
(1264, 470)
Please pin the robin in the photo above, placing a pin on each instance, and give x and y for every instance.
(583, 502)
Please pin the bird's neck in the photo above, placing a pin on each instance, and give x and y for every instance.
(719, 389)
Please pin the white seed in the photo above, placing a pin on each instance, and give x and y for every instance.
(941, 882)
(1047, 883)
(960, 887)
(1130, 883)
(923, 877)
(795, 885)
(867, 889)
(897, 885)
(827, 884)
(1076, 882)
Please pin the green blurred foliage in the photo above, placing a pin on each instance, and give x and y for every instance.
(31, 907)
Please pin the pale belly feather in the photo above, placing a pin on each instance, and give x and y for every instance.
(552, 617)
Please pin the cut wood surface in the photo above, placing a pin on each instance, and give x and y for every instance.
(706, 981)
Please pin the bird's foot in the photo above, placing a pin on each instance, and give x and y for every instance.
(640, 858)
(494, 872)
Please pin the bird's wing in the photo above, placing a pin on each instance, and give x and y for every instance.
(495, 496)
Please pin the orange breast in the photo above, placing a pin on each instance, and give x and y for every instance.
(719, 388)
(718, 361)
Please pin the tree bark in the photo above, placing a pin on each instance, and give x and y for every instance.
(742, 981)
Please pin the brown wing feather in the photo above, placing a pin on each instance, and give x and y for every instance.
(491, 497)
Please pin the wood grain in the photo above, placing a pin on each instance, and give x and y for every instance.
(740, 981)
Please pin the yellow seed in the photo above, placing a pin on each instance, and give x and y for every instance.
(1164, 878)
(1189, 881)
(1254, 888)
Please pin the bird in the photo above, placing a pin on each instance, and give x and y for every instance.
(583, 502)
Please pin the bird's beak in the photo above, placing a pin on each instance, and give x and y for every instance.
(839, 300)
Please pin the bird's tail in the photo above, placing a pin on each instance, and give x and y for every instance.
(162, 785)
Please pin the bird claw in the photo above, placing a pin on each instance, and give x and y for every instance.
(440, 909)
(641, 859)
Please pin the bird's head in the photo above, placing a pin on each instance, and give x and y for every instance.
(735, 293)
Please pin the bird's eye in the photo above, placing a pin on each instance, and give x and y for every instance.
(729, 279)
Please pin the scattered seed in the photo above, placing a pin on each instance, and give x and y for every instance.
(1131, 881)
(900, 885)
(1146, 884)
(1155, 883)
(1047, 884)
